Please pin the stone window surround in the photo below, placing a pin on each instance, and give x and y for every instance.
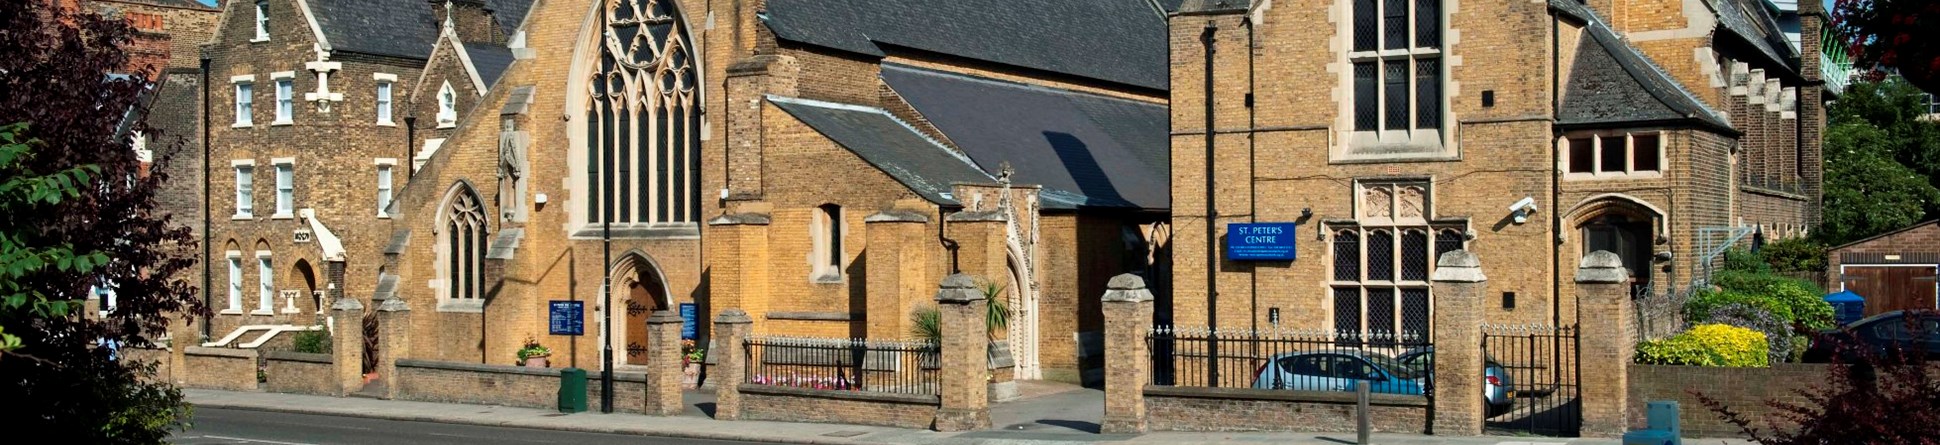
(283, 211)
(447, 106)
(245, 194)
(1362, 224)
(266, 279)
(235, 283)
(584, 216)
(383, 107)
(245, 109)
(285, 82)
(386, 173)
(827, 254)
(262, 21)
(1433, 144)
(444, 285)
(1564, 158)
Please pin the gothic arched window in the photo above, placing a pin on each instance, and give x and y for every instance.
(462, 241)
(643, 117)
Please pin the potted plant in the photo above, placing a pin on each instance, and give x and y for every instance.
(533, 354)
(691, 357)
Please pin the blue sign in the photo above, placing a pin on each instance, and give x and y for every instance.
(687, 324)
(568, 317)
(1260, 241)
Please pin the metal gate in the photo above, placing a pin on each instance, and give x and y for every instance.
(1540, 366)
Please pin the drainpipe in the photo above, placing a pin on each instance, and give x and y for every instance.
(943, 222)
(1208, 39)
(410, 147)
(208, 251)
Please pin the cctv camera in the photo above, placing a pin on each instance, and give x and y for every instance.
(1527, 203)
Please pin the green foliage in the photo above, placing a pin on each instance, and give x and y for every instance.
(926, 323)
(24, 191)
(1778, 331)
(532, 349)
(1795, 255)
(1882, 162)
(1804, 302)
(314, 342)
(1708, 345)
(1702, 306)
(1741, 260)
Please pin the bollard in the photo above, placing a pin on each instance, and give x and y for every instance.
(1360, 412)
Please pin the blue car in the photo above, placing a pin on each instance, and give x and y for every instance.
(1338, 371)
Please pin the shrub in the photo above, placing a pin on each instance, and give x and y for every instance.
(1795, 255)
(1870, 399)
(1804, 301)
(1705, 304)
(1741, 260)
(314, 342)
(1778, 331)
(1708, 345)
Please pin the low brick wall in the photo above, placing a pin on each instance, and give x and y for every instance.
(788, 404)
(158, 357)
(450, 382)
(299, 373)
(629, 391)
(220, 368)
(1745, 390)
(1169, 408)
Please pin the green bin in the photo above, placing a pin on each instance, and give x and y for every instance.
(572, 390)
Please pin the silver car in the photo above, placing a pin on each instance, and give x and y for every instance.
(1497, 390)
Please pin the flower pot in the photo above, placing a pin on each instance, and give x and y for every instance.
(690, 376)
(537, 361)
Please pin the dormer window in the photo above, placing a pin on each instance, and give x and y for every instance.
(447, 106)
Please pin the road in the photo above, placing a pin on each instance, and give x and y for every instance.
(228, 426)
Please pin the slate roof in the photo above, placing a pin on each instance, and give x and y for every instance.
(1120, 41)
(509, 13)
(1086, 150)
(378, 27)
(490, 59)
(920, 163)
(1750, 21)
(1612, 84)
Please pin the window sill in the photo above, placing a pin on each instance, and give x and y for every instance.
(461, 306)
(442, 124)
(386, 124)
(259, 40)
(382, 215)
(230, 312)
(835, 278)
(263, 312)
(1612, 176)
(242, 125)
(242, 217)
(281, 215)
(281, 123)
(680, 230)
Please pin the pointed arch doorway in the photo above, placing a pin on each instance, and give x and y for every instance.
(639, 289)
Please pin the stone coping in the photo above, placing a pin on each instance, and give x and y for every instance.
(1281, 395)
(221, 352)
(865, 396)
(480, 367)
(297, 356)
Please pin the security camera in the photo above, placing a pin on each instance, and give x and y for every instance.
(1521, 209)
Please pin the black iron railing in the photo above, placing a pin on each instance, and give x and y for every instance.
(1289, 359)
(844, 364)
(1539, 363)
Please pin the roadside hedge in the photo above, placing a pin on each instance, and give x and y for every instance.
(1708, 345)
(1804, 302)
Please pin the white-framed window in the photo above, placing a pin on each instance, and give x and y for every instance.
(245, 188)
(262, 21)
(1396, 61)
(235, 282)
(447, 106)
(285, 98)
(655, 174)
(245, 99)
(1613, 154)
(384, 83)
(285, 187)
(384, 169)
(1382, 261)
(826, 231)
(266, 282)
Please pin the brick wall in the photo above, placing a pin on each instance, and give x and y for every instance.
(1921, 239)
(157, 357)
(299, 373)
(850, 407)
(1745, 390)
(449, 382)
(220, 368)
(1225, 409)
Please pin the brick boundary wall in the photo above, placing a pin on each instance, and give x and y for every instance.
(450, 382)
(299, 373)
(220, 368)
(159, 357)
(1745, 390)
(786, 404)
(1234, 409)
(629, 391)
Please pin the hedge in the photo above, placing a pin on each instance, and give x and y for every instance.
(1708, 345)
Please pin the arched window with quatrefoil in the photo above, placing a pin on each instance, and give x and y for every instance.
(642, 117)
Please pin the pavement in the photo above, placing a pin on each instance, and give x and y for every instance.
(1046, 416)
(221, 426)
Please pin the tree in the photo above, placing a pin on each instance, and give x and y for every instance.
(63, 71)
(1882, 163)
(1901, 35)
(1874, 397)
